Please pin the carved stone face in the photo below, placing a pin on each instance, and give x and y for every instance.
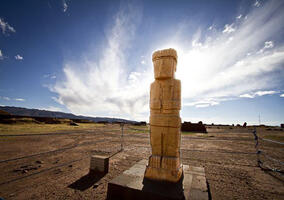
(165, 62)
(164, 67)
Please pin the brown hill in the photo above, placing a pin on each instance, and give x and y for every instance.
(2, 112)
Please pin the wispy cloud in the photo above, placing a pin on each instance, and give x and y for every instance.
(5, 27)
(1, 55)
(267, 45)
(6, 98)
(106, 87)
(51, 108)
(18, 57)
(225, 66)
(257, 3)
(281, 95)
(258, 93)
(15, 99)
(51, 76)
(229, 28)
(65, 6)
(221, 65)
(203, 103)
(247, 96)
(262, 93)
(19, 99)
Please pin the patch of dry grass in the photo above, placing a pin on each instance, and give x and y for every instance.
(279, 138)
(189, 133)
(43, 128)
(138, 129)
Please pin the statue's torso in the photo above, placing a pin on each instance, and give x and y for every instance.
(165, 95)
(165, 103)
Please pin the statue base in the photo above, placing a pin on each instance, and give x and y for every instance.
(131, 184)
(164, 168)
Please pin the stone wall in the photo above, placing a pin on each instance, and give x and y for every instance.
(193, 127)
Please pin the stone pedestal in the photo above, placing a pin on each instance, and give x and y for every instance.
(132, 185)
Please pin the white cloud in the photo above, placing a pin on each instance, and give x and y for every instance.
(18, 57)
(57, 100)
(258, 93)
(51, 76)
(15, 99)
(282, 95)
(51, 108)
(195, 43)
(261, 93)
(229, 28)
(203, 103)
(19, 99)
(239, 17)
(211, 71)
(143, 62)
(1, 55)
(268, 44)
(229, 65)
(65, 6)
(6, 98)
(5, 27)
(105, 87)
(247, 96)
(257, 4)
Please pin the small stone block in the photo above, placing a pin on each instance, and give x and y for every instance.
(132, 185)
(99, 164)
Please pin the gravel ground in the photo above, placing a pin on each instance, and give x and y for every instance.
(47, 166)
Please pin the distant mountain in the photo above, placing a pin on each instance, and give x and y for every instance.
(52, 114)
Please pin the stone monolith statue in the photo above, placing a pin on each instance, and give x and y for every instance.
(165, 103)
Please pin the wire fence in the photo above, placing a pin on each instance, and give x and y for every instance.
(264, 160)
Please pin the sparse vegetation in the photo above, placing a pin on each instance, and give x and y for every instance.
(43, 128)
(279, 138)
(189, 133)
(139, 129)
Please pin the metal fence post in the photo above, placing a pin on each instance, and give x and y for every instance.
(121, 145)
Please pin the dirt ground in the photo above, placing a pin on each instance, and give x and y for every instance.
(53, 165)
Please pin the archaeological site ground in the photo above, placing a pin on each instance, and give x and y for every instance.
(55, 164)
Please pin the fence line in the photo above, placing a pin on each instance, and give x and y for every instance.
(259, 152)
(277, 142)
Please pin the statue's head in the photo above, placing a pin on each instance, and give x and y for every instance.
(165, 62)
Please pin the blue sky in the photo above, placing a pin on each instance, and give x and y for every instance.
(94, 57)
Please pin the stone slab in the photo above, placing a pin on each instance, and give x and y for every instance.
(132, 185)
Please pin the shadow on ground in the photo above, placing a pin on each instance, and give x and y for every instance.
(86, 181)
